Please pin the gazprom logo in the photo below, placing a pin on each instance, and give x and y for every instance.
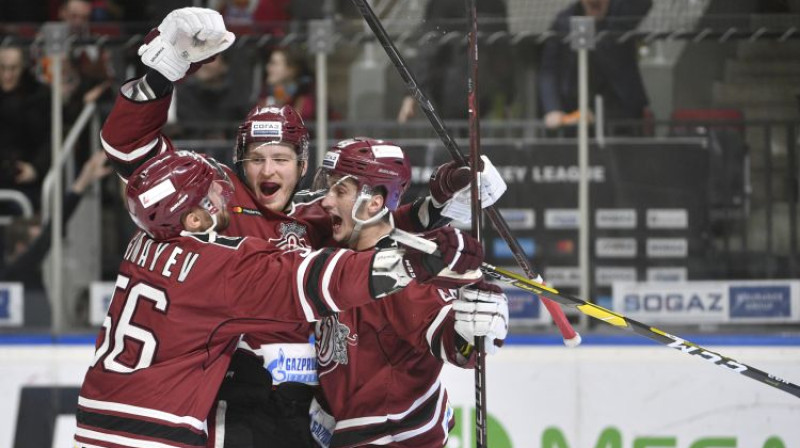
(301, 369)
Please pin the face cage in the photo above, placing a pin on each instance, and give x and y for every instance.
(216, 200)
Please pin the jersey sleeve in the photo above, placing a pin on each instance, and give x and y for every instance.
(131, 134)
(425, 319)
(297, 285)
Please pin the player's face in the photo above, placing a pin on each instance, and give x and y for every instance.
(272, 172)
(339, 203)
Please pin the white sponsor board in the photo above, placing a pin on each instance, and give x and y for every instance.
(541, 396)
(615, 218)
(667, 274)
(607, 275)
(519, 218)
(615, 247)
(563, 276)
(562, 218)
(752, 301)
(667, 218)
(100, 294)
(12, 313)
(667, 248)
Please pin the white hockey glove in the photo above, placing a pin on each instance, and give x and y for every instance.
(184, 37)
(482, 310)
(449, 186)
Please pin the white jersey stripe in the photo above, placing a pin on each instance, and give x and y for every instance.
(326, 281)
(399, 437)
(121, 440)
(427, 426)
(437, 322)
(364, 421)
(458, 251)
(144, 412)
(84, 445)
(133, 155)
(219, 426)
(301, 290)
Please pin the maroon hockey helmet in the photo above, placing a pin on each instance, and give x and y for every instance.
(272, 125)
(161, 191)
(375, 163)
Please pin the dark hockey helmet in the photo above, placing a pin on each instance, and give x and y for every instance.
(375, 163)
(272, 125)
(161, 191)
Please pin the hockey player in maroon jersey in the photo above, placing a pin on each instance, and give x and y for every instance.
(271, 155)
(184, 294)
(379, 364)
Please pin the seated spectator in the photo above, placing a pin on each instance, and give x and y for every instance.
(288, 81)
(24, 125)
(210, 95)
(28, 241)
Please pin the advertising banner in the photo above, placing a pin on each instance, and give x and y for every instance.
(693, 302)
(11, 304)
(537, 397)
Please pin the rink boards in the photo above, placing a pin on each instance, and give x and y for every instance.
(612, 392)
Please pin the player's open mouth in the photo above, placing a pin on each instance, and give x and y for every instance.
(337, 221)
(269, 188)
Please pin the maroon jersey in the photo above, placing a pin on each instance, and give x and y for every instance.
(174, 321)
(132, 134)
(379, 368)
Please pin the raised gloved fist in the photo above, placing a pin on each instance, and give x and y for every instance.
(449, 187)
(186, 36)
(448, 179)
(482, 310)
(458, 263)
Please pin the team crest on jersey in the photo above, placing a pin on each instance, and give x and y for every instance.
(333, 337)
(292, 237)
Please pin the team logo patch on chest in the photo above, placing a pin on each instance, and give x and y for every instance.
(333, 337)
(292, 236)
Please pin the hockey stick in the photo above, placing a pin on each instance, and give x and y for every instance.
(610, 317)
(475, 205)
(571, 338)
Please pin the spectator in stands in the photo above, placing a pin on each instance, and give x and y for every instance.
(24, 125)
(288, 81)
(441, 67)
(27, 241)
(613, 66)
(213, 94)
(76, 14)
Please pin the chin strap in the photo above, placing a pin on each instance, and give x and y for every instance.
(364, 196)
